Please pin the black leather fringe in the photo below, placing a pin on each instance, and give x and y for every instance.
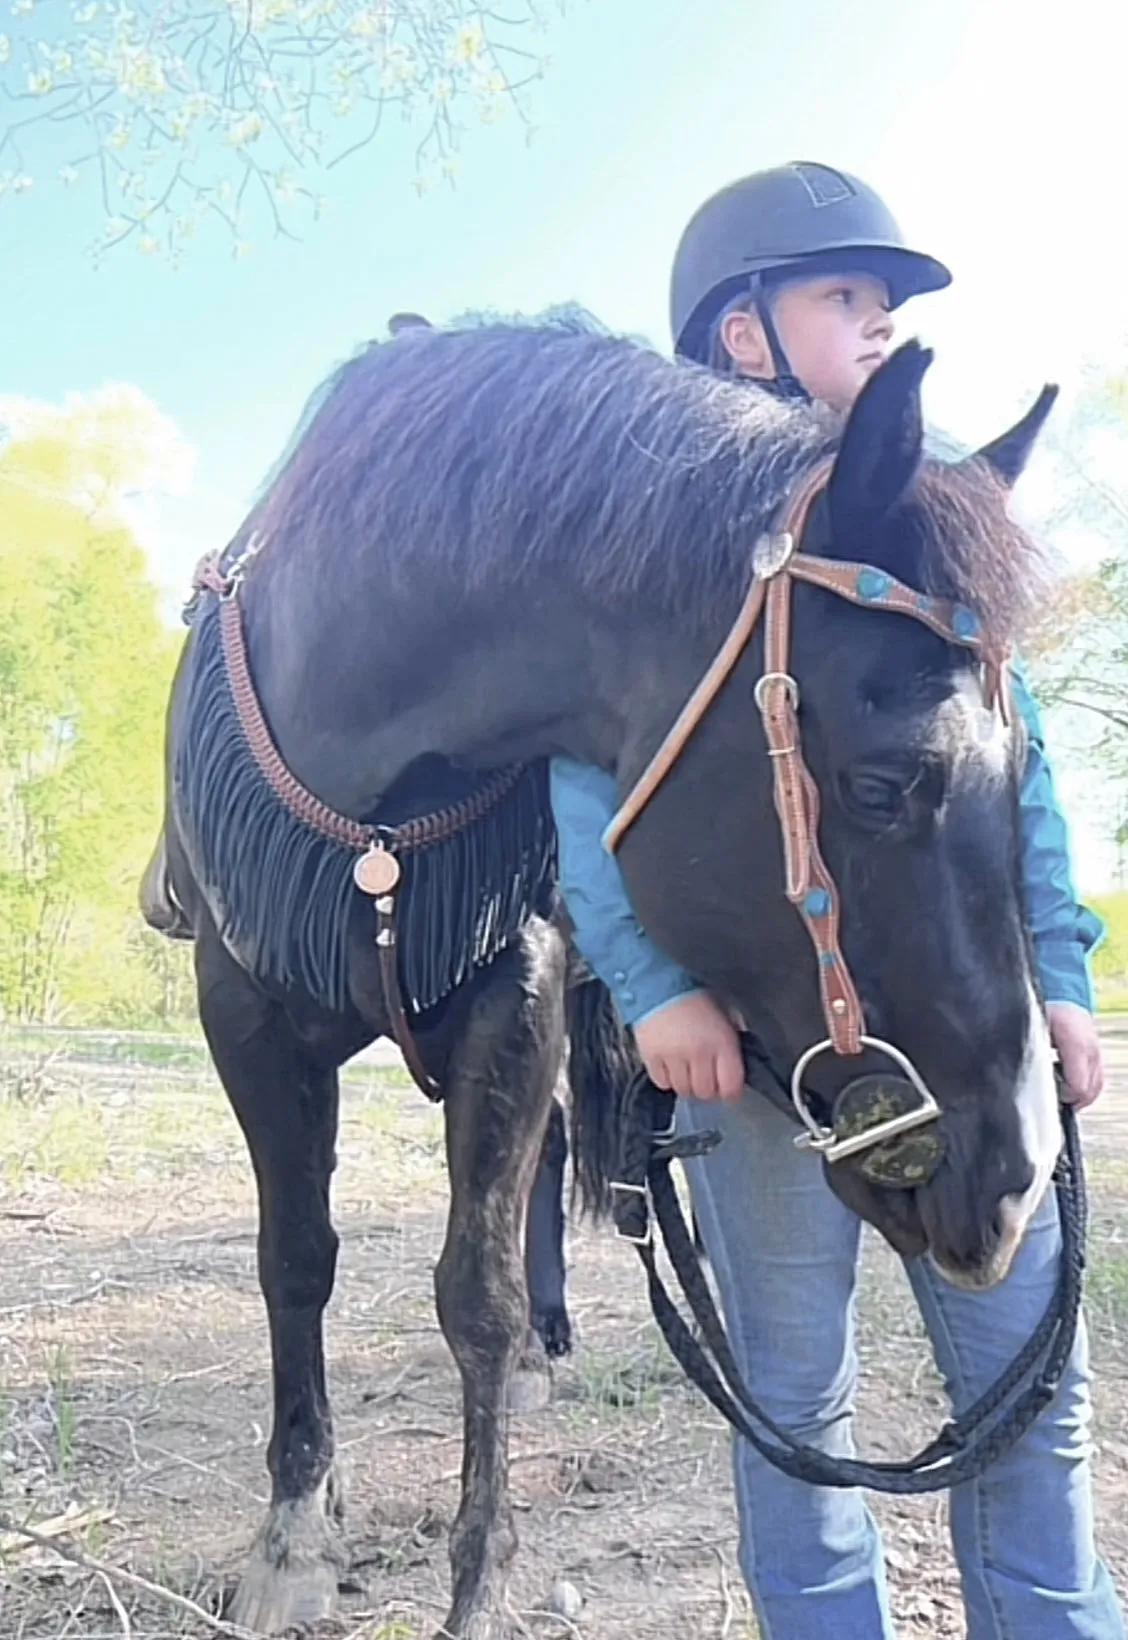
(284, 892)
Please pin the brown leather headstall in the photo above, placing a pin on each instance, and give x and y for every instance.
(777, 565)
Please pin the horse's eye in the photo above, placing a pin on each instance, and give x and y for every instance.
(872, 795)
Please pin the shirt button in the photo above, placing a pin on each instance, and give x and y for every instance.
(620, 977)
(626, 996)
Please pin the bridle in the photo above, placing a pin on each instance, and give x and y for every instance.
(778, 563)
(896, 1151)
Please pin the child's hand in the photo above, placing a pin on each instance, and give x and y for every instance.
(690, 1047)
(1074, 1033)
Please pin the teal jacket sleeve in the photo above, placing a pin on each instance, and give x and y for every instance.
(1064, 931)
(641, 978)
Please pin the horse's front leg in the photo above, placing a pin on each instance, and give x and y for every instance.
(287, 1107)
(498, 1096)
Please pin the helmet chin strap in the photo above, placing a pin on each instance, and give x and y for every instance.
(787, 383)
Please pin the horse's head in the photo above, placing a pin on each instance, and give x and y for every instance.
(918, 778)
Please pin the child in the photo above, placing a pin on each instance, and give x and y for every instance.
(789, 278)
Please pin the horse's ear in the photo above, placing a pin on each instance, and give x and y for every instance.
(399, 322)
(881, 446)
(1008, 454)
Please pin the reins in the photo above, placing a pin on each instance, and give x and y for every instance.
(966, 1446)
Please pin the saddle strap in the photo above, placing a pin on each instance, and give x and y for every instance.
(393, 997)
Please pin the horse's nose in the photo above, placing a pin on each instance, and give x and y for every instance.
(1018, 1174)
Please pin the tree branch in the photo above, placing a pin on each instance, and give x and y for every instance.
(193, 70)
(116, 1574)
(1120, 720)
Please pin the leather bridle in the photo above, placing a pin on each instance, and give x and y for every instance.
(778, 563)
(888, 1152)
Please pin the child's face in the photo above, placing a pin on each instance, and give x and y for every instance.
(836, 330)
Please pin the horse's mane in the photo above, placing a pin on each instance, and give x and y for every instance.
(976, 553)
(487, 452)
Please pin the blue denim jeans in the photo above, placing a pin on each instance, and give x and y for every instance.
(784, 1251)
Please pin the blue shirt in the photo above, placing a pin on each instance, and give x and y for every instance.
(643, 979)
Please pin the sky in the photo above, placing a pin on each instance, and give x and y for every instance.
(997, 138)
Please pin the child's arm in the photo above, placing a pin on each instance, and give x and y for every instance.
(685, 1040)
(1064, 930)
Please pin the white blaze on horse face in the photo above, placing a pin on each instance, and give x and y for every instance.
(976, 729)
(975, 737)
(1040, 1125)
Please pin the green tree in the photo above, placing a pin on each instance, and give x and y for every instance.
(184, 110)
(1080, 656)
(85, 664)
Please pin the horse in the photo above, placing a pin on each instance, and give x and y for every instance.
(500, 542)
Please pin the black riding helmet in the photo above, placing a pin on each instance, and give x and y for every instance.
(794, 219)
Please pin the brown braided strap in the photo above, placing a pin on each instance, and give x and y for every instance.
(412, 836)
(287, 787)
(408, 838)
(210, 576)
(428, 829)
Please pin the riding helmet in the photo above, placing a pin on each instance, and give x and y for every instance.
(794, 217)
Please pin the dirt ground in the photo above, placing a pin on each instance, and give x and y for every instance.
(134, 1389)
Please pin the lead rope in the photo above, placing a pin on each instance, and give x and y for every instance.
(966, 1446)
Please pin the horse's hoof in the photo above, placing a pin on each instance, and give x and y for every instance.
(294, 1567)
(274, 1599)
(530, 1383)
(481, 1625)
(554, 1330)
(530, 1387)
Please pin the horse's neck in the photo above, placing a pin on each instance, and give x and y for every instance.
(483, 681)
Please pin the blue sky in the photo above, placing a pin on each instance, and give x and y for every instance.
(998, 140)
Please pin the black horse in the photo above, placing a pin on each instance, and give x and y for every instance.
(492, 545)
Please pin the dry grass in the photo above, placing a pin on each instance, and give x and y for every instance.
(134, 1387)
